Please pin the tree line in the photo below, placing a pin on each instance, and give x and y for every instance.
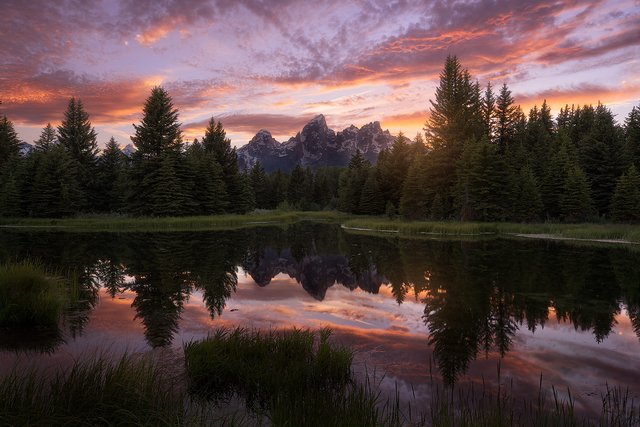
(481, 158)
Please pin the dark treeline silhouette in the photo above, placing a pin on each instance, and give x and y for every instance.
(474, 302)
(481, 158)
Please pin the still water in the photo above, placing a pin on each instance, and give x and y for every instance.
(413, 310)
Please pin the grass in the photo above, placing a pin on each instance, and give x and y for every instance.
(289, 377)
(286, 378)
(157, 224)
(30, 296)
(129, 391)
(587, 231)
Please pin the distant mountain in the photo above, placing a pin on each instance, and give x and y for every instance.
(128, 150)
(315, 145)
(25, 148)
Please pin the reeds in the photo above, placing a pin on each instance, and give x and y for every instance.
(30, 296)
(128, 391)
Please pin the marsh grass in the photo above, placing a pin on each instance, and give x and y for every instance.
(127, 391)
(30, 296)
(290, 377)
(158, 224)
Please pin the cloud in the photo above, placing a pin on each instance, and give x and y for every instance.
(579, 94)
(277, 124)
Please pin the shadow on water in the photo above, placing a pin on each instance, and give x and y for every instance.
(476, 294)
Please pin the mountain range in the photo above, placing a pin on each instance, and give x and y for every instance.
(315, 146)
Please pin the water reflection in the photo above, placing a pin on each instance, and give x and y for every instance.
(476, 294)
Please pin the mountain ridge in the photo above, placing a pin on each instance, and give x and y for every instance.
(316, 145)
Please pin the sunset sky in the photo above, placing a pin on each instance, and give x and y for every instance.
(274, 64)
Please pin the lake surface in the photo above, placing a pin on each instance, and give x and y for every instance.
(412, 310)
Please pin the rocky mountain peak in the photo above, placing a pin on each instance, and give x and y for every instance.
(316, 145)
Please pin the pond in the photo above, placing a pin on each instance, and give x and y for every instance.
(414, 310)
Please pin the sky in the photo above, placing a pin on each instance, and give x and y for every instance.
(275, 64)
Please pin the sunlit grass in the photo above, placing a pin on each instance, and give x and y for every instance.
(30, 296)
(158, 224)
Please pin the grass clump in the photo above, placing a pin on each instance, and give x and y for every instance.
(128, 391)
(292, 378)
(30, 296)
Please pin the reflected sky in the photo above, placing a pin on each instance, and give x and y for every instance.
(564, 310)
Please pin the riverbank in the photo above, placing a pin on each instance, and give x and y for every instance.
(160, 224)
(586, 232)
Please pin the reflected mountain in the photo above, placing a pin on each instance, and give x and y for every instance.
(477, 295)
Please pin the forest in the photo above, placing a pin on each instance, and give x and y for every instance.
(481, 158)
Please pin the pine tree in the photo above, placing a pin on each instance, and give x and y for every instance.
(481, 193)
(576, 204)
(601, 153)
(159, 131)
(9, 191)
(625, 203)
(528, 204)
(259, 185)
(488, 111)
(413, 204)
(245, 200)
(393, 168)
(632, 135)
(48, 139)
(78, 138)
(352, 181)
(110, 178)
(153, 173)
(9, 142)
(555, 173)
(296, 192)
(371, 200)
(56, 191)
(215, 141)
(506, 119)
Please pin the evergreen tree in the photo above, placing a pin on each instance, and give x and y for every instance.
(393, 168)
(278, 185)
(244, 201)
(79, 139)
(110, 178)
(413, 204)
(480, 192)
(371, 200)
(506, 119)
(10, 191)
(153, 173)
(625, 203)
(576, 204)
(552, 186)
(601, 153)
(352, 181)
(215, 141)
(56, 191)
(260, 185)
(159, 131)
(632, 135)
(9, 142)
(48, 139)
(296, 192)
(488, 111)
(528, 204)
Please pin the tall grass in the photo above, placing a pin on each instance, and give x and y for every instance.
(289, 377)
(30, 296)
(129, 391)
